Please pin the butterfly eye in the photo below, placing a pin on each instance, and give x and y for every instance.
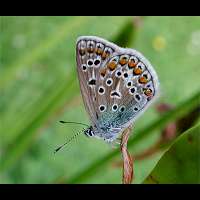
(122, 109)
(84, 67)
(123, 59)
(109, 82)
(118, 73)
(114, 107)
(89, 132)
(132, 62)
(132, 90)
(101, 90)
(102, 108)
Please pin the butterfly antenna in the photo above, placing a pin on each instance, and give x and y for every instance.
(73, 137)
(64, 122)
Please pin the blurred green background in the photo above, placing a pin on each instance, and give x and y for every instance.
(39, 87)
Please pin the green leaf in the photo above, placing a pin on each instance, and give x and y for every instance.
(181, 163)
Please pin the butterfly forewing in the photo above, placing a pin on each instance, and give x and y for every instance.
(116, 83)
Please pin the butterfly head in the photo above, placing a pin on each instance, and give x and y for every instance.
(89, 132)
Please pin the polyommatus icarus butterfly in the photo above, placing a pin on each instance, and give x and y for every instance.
(117, 85)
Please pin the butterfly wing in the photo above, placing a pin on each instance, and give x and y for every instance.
(92, 54)
(117, 84)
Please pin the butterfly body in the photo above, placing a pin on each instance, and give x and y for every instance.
(117, 85)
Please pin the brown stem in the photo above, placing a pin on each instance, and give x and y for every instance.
(127, 158)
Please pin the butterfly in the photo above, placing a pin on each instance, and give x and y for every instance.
(117, 85)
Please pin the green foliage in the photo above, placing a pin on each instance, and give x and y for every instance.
(39, 87)
(180, 164)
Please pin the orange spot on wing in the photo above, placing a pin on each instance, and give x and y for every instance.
(90, 50)
(105, 54)
(103, 71)
(143, 80)
(98, 51)
(137, 71)
(123, 61)
(148, 92)
(131, 64)
(112, 65)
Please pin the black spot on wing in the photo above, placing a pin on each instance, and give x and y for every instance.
(115, 94)
(92, 82)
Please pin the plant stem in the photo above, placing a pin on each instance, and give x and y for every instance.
(127, 158)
